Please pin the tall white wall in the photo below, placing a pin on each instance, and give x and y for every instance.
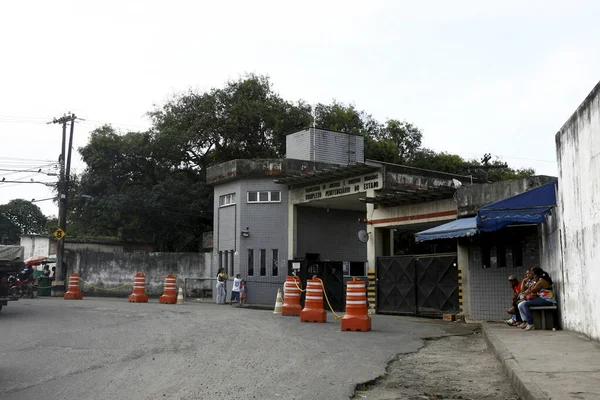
(578, 152)
(35, 246)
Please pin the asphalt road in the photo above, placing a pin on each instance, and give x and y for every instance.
(111, 349)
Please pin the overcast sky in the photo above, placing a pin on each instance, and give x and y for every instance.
(476, 77)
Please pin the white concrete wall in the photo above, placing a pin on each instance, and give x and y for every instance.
(578, 152)
(551, 259)
(35, 246)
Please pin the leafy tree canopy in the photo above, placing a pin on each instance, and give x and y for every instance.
(151, 186)
(20, 217)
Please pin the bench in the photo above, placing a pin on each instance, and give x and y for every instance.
(544, 317)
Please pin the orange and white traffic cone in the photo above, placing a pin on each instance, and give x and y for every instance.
(170, 292)
(356, 318)
(73, 292)
(291, 298)
(139, 290)
(278, 303)
(313, 305)
(180, 296)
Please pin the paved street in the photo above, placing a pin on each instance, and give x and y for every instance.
(109, 348)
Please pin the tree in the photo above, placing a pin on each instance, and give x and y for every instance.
(20, 217)
(245, 119)
(132, 190)
(404, 137)
(453, 164)
(151, 186)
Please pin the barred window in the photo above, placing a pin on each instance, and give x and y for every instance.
(275, 262)
(263, 262)
(250, 262)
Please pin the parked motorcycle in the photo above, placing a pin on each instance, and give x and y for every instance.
(24, 284)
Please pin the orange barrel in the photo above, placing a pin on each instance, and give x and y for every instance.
(291, 297)
(139, 290)
(73, 292)
(356, 318)
(313, 302)
(170, 292)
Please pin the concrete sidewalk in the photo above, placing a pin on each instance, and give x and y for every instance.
(547, 364)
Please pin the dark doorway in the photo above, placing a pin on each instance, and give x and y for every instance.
(331, 274)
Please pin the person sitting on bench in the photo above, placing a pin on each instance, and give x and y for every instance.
(516, 288)
(540, 294)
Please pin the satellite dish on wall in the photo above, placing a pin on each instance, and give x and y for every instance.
(363, 236)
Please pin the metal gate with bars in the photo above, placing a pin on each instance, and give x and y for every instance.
(417, 285)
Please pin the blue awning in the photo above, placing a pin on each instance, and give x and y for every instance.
(455, 229)
(530, 207)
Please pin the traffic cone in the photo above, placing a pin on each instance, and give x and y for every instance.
(291, 299)
(180, 296)
(278, 303)
(356, 318)
(313, 310)
(139, 290)
(73, 293)
(170, 292)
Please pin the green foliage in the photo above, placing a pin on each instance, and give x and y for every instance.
(245, 119)
(20, 217)
(394, 142)
(151, 186)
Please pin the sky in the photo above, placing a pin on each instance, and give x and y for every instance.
(476, 77)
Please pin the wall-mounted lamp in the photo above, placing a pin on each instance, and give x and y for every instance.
(246, 232)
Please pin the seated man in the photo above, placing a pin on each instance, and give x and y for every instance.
(516, 288)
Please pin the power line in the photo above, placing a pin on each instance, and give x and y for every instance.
(25, 159)
(39, 171)
(47, 183)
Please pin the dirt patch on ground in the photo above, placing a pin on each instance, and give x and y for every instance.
(455, 367)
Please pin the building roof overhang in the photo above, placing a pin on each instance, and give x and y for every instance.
(398, 197)
(328, 174)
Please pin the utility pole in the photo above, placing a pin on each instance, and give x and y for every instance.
(63, 192)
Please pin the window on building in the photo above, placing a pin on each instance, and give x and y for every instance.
(517, 252)
(232, 272)
(275, 262)
(357, 269)
(250, 262)
(226, 260)
(501, 255)
(220, 259)
(263, 262)
(267, 196)
(227, 200)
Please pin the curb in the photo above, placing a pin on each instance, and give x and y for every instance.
(526, 389)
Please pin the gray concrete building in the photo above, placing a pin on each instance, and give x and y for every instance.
(323, 210)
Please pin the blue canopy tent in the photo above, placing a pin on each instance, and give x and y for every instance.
(459, 228)
(530, 207)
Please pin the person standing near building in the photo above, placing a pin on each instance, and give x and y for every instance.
(243, 291)
(235, 291)
(221, 288)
